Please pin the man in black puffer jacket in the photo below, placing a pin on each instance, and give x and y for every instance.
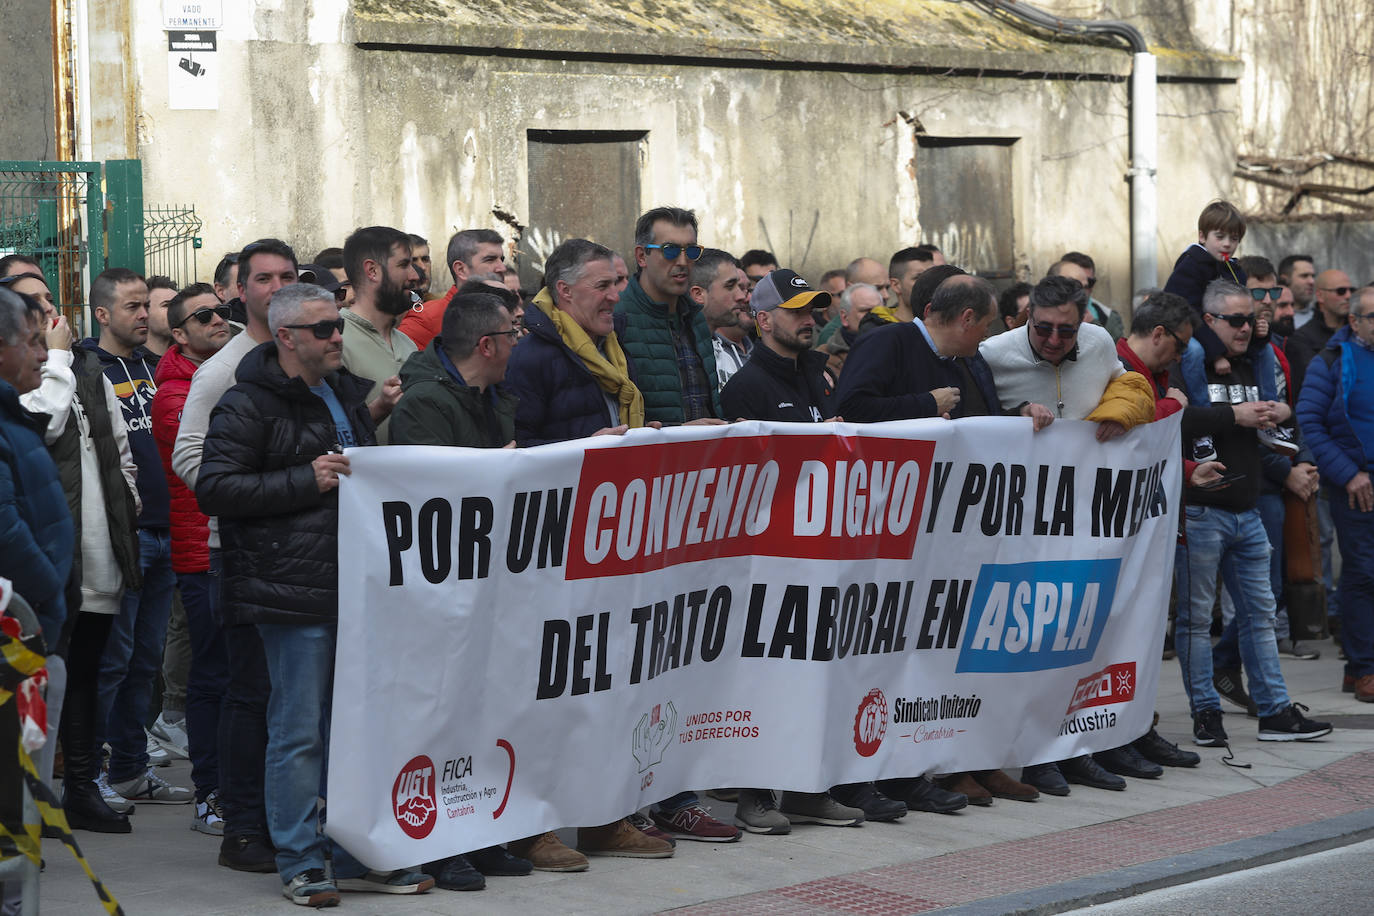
(270, 469)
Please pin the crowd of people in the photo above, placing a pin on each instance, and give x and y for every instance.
(169, 507)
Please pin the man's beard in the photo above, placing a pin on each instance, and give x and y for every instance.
(392, 298)
(1283, 326)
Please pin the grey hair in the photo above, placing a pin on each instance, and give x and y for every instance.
(14, 317)
(569, 261)
(1218, 291)
(288, 303)
(847, 297)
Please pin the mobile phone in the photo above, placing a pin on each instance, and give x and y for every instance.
(1225, 480)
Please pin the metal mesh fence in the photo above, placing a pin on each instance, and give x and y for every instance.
(171, 238)
(51, 211)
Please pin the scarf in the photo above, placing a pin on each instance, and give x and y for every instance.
(611, 369)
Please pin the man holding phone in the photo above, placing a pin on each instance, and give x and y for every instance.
(1224, 530)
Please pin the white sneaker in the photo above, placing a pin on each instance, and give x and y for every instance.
(151, 787)
(172, 736)
(112, 798)
(157, 757)
(209, 817)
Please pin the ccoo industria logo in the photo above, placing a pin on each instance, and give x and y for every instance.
(870, 723)
(1037, 616)
(413, 801)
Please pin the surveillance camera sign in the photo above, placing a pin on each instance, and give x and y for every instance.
(192, 75)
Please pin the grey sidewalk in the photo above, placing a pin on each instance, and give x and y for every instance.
(165, 868)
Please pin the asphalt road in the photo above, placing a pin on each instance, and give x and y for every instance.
(1336, 881)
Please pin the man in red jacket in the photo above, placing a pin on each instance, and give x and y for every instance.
(199, 325)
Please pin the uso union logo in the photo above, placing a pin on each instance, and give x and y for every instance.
(412, 798)
(870, 723)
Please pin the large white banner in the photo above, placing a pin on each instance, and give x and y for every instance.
(557, 636)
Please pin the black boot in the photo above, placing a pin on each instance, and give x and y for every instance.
(86, 810)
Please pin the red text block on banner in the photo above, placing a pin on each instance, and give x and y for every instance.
(821, 497)
(1113, 684)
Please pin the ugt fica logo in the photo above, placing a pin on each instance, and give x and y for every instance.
(870, 723)
(653, 734)
(413, 801)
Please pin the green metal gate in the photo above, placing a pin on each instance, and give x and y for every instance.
(54, 212)
(76, 218)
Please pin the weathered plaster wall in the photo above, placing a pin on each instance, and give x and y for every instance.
(26, 80)
(316, 135)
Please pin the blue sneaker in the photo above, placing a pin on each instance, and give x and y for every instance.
(311, 888)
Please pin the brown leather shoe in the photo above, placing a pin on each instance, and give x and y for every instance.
(1347, 683)
(1003, 786)
(547, 852)
(1364, 689)
(621, 839)
(967, 785)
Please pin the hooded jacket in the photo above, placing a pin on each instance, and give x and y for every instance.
(132, 379)
(279, 533)
(36, 533)
(1323, 413)
(648, 340)
(190, 527)
(436, 410)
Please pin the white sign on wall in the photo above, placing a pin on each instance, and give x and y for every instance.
(192, 14)
(192, 71)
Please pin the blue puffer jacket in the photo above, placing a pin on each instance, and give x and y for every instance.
(559, 399)
(1322, 418)
(36, 533)
(648, 340)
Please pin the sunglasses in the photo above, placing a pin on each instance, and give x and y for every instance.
(1236, 321)
(206, 315)
(673, 252)
(1273, 292)
(1338, 290)
(341, 293)
(1063, 331)
(1090, 283)
(323, 330)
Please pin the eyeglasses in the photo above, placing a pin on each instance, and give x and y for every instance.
(1178, 341)
(673, 252)
(1236, 321)
(512, 333)
(1367, 316)
(206, 315)
(1273, 292)
(1338, 290)
(323, 330)
(1062, 331)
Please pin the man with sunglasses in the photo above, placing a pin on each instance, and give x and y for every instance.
(1333, 308)
(271, 469)
(1225, 531)
(264, 267)
(666, 334)
(199, 326)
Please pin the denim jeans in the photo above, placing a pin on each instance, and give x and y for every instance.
(133, 657)
(1226, 653)
(300, 659)
(207, 678)
(1356, 531)
(1329, 546)
(1236, 543)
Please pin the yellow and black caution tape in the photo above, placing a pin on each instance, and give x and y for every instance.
(24, 838)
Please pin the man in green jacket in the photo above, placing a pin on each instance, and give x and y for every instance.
(450, 388)
(665, 334)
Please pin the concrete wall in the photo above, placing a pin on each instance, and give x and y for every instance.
(315, 136)
(26, 96)
(1339, 244)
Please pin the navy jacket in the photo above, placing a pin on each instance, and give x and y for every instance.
(132, 379)
(36, 534)
(773, 387)
(1193, 270)
(891, 371)
(1322, 416)
(559, 398)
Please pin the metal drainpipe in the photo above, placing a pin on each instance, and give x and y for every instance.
(1144, 131)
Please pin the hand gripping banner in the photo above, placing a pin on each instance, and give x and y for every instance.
(554, 637)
